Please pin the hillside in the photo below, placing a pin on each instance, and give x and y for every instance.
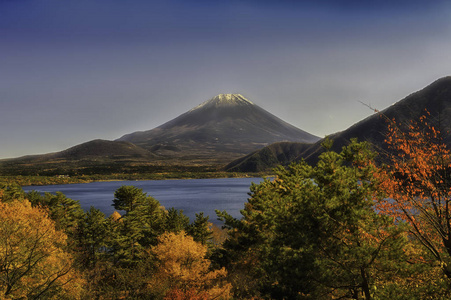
(97, 156)
(435, 98)
(268, 157)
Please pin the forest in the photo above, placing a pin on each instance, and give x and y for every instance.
(359, 224)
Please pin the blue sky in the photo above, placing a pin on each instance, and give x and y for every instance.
(76, 70)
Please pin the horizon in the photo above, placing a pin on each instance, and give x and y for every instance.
(86, 70)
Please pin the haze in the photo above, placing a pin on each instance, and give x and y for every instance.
(73, 71)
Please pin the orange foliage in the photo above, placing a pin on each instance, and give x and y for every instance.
(191, 294)
(32, 260)
(417, 185)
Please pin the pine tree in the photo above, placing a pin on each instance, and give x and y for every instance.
(312, 231)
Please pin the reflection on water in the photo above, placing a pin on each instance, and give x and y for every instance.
(191, 195)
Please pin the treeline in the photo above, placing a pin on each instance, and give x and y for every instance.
(68, 179)
(87, 168)
(346, 228)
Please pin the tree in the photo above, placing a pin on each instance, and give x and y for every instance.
(417, 182)
(65, 212)
(33, 261)
(144, 220)
(11, 192)
(92, 235)
(182, 269)
(175, 220)
(200, 229)
(312, 232)
(128, 198)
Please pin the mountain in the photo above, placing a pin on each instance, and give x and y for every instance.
(218, 130)
(207, 137)
(435, 98)
(269, 157)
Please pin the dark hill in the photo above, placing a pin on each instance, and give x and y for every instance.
(435, 98)
(268, 157)
(218, 130)
(97, 156)
(104, 149)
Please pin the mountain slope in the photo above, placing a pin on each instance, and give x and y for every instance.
(97, 156)
(104, 149)
(435, 98)
(267, 158)
(222, 128)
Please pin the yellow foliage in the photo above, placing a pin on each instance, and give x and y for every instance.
(182, 264)
(32, 259)
(115, 216)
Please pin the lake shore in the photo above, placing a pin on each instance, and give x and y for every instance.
(189, 195)
(66, 179)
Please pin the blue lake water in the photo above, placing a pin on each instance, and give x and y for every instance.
(191, 195)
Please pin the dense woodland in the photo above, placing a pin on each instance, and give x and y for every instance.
(344, 228)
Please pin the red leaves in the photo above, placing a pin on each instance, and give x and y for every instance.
(415, 183)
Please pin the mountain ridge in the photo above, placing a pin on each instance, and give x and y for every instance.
(435, 98)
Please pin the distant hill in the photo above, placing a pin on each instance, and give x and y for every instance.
(102, 149)
(218, 130)
(97, 156)
(268, 157)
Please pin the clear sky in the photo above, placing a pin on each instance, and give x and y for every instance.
(76, 70)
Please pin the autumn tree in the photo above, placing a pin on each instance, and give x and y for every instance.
(33, 260)
(183, 270)
(417, 182)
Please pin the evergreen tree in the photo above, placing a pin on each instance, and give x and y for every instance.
(144, 220)
(66, 212)
(200, 229)
(128, 198)
(176, 221)
(312, 232)
(93, 233)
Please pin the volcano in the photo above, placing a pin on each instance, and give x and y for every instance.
(222, 128)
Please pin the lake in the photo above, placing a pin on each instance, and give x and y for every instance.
(190, 195)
